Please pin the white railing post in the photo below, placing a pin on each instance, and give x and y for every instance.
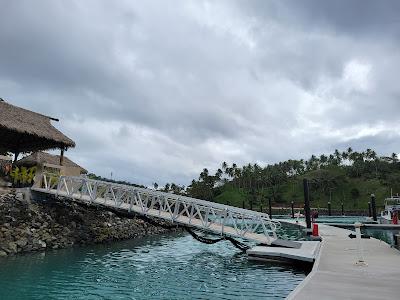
(360, 250)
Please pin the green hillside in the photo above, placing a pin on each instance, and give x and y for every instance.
(349, 177)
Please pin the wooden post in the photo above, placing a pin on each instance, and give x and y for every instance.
(342, 209)
(261, 208)
(16, 154)
(243, 205)
(62, 157)
(369, 210)
(373, 204)
(307, 203)
(292, 209)
(270, 207)
(329, 209)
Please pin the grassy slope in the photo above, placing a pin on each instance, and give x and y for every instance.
(340, 193)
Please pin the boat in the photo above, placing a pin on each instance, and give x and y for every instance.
(298, 215)
(391, 213)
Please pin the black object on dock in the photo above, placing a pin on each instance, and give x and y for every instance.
(292, 210)
(329, 209)
(243, 205)
(373, 204)
(369, 210)
(270, 207)
(342, 209)
(307, 203)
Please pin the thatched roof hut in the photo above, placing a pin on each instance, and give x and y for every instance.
(23, 130)
(40, 158)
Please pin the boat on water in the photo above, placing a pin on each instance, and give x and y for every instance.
(391, 213)
(298, 215)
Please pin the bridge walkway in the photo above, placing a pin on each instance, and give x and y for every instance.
(207, 216)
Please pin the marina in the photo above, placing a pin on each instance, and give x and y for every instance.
(228, 150)
(339, 258)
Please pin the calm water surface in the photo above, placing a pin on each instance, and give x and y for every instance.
(162, 267)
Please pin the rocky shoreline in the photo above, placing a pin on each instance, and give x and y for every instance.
(27, 227)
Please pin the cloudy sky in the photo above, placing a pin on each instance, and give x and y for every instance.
(158, 90)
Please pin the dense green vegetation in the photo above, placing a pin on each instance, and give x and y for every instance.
(349, 177)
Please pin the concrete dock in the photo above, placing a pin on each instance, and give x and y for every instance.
(365, 225)
(307, 252)
(335, 274)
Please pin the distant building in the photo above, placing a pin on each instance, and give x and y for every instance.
(41, 159)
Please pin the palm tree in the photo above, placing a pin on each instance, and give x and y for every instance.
(332, 160)
(345, 155)
(323, 159)
(237, 173)
(204, 175)
(368, 153)
(166, 188)
(218, 174)
(338, 156)
(229, 172)
(313, 162)
(349, 151)
(155, 185)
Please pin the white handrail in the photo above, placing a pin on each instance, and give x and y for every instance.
(205, 215)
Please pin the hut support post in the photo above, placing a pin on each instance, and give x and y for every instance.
(62, 157)
(16, 154)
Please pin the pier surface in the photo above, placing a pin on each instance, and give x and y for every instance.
(365, 225)
(336, 276)
(307, 252)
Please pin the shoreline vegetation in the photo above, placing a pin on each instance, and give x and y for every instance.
(347, 177)
(39, 226)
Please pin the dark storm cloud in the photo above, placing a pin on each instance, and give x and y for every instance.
(370, 18)
(156, 91)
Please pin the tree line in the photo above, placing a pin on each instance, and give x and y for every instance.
(255, 180)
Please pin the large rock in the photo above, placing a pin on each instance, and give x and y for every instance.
(22, 242)
(59, 224)
(10, 248)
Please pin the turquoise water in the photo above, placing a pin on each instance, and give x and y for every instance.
(386, 235)
(342, 219)
(333, 219)
(383, 235)
(161, 267)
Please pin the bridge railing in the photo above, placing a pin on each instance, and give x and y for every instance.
(204, 215)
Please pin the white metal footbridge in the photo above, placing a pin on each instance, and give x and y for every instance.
(203, 215)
